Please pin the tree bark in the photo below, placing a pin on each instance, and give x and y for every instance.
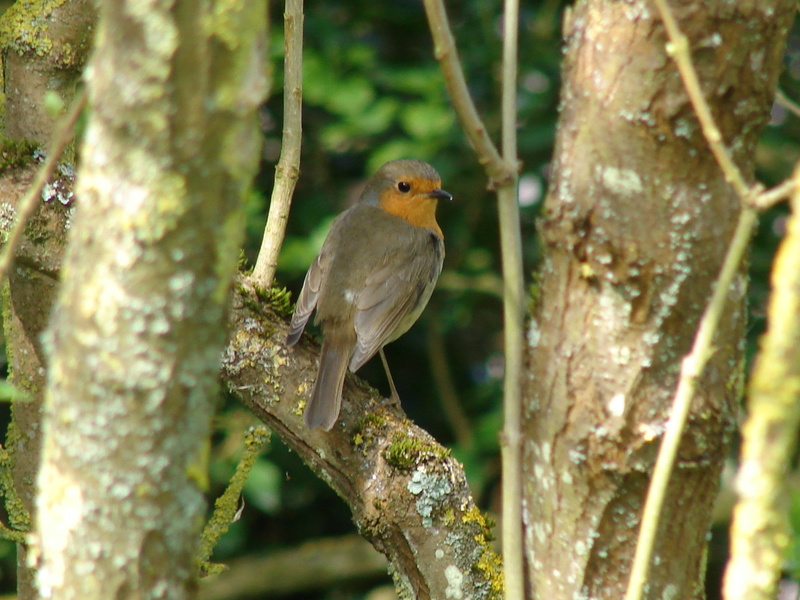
(170, 148)
(408, 496)
(636, 227)
(35, 61)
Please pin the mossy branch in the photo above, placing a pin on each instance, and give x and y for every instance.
(226, 506)
(17, 515)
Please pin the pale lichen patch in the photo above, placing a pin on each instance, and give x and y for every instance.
(625, 182)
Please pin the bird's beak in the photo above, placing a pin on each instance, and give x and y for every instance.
(440, 195)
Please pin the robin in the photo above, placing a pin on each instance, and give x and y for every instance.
(372, 278)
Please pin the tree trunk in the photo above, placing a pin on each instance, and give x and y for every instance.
(636, 228)
(134, 344)
(34, 65)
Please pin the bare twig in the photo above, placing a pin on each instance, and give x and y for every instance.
(694, 363)
(768, 198)
(787, 103)
(288, 169)
(498, 169)
(760, 532)
(30, 202)
(502, 173)
(513, 312)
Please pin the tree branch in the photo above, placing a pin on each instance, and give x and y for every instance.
(787, 103)
(760, 531)
(498, 169)
(408, 496)
(513, 313)
(678, 49)
(283, 572)
(288, 169)
(227, 505)
(691, 369)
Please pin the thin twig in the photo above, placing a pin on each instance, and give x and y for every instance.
(446, 53)
(513, 312)
(30, 202)
(787, 103)
(502, 173)
(288, 169)
(694, 363)
(768, 198)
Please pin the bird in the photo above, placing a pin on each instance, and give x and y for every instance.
(372, 278)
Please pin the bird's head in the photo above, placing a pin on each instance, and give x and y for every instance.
(408, 189)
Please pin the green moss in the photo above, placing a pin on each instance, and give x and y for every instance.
(15, 153)
(23, 28)
(18, 516)
(243, 266)
(405, 453)
(364, 426)
(279, 299)
(36, 230)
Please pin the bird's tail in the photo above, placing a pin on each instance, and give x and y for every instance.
(326, 399)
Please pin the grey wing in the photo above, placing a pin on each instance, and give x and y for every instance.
(307, 300)
(393, 298)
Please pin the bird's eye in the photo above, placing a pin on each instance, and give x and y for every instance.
(404, 187)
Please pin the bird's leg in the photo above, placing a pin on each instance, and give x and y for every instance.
(395, 397)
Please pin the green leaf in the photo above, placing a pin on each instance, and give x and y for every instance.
(10, 393)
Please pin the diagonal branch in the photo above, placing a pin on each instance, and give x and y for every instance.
(408, 496)
(499, 170)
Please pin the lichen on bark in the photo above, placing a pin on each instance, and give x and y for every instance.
(137, 333)
(634, 240)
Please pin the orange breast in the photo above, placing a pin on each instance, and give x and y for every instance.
(418, 210)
